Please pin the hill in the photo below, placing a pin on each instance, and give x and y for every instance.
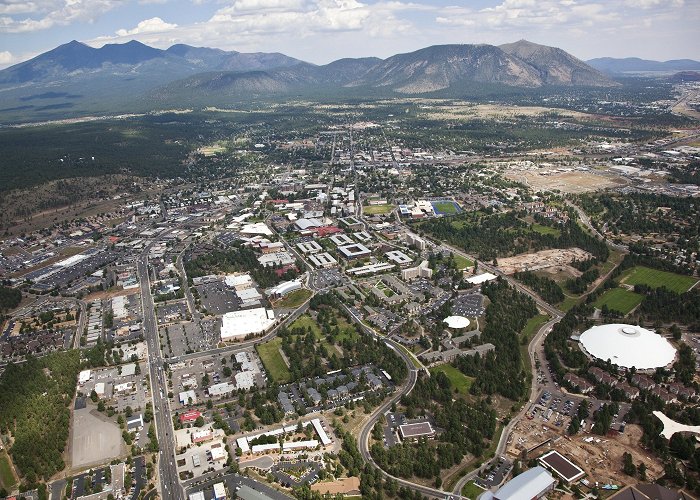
(612, 66)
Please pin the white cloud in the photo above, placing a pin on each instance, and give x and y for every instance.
(153, 25)
(5, 58)
(51, 13)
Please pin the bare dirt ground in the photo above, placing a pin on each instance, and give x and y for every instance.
(601, 458)
(541, 260)
(108, 294)
(95, 439)
(566, 182)
(348, 485)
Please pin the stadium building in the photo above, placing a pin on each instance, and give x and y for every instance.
(628, 346)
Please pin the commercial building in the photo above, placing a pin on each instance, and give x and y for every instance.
(239, 281)
(245, 380)
(283, 289)
(222, 389)
(531, 484)
(416, 430)
(202, 435)
(188, 397)
(190, 416)
(238, 324)
(481, 278)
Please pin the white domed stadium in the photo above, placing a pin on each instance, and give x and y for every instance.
(628, 346)
(456, 322)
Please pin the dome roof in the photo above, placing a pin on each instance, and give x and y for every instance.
(628, 346)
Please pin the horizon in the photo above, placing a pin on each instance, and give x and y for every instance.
(321, 31)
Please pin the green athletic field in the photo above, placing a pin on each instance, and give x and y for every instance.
(641, 275)
(619, 300)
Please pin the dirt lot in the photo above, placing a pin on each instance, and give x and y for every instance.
(566, 182)
(95, 439)
(601, 459)
(541, 260)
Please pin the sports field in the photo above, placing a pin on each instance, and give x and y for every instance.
(462, 262)
(458, 379)
(7, 479)
(445, 207)
(377, 209)
(619, 300)
(269, 353)
(641, 275)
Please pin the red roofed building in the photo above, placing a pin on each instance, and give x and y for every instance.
(190, 416)
(325, 231)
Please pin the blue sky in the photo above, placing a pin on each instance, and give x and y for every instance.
(320, 31)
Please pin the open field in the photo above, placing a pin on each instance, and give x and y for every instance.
(269, 353)
(294, 299)
(566, 182)
(471, 490)
(619, 300)
(458, 379)
(539, 228)
(533, 324)
(462, 262)
(654, 278)
(377, 209)
(95, 439)
(7, 478)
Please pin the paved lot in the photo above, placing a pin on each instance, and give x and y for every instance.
(217, 298)
(95, 439)
(470, 304)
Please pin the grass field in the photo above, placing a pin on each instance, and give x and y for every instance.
(377, 209)
(471, 490)
(445, 207)
(539, 228)
(654, 278)
(7, 479)
(458, 379)
(533, 324)
(462, 262)
(269, 353)
(619, 300)
(305, 321)
(295, 298)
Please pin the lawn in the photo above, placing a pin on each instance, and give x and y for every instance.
(305, 321)
(7, 479)
(539, 228)
(471, 490)
(294, 299)
(462, 262)
(619, 300)
(269, 353)
(458, 379)
(377, 209)
(654, 278)
(445, 207)
(533, 325)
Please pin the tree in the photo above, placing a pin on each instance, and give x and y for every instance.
(628, 466)
(199, 422)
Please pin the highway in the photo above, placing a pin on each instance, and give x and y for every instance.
(169, 486)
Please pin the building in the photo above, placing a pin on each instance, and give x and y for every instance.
(217, 452)
(220, 390)
(202, 435)
(351, 223)
(415, 241)
(321, 432)
(342, 240)
(84, 376)
(646, 491)
(190, 416)
(354, 251)
(197, 495)
(481, 278)
(370, 269)
(188, 397)
(568, 471)
(245, 380)
(245, 492)
(238, 324)
(628, 346)
(135, 423)
(309, 247)
(323, 260)
(416, 430)
(283, 289)
(398, 257)
(582, 385)
(239, 281)
(420, 271)
(456, 323)
(531, 484)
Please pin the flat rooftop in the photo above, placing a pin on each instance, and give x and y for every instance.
(562, 466)
(416, 429)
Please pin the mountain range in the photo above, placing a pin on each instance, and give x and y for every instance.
(75, 77)
(613, 66)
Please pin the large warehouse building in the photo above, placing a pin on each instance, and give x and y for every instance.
(628, 346)
(238, 324)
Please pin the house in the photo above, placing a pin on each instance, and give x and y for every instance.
(582, 385)
(602, 376)
(643, 382)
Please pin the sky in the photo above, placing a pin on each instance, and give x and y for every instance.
(320, 31)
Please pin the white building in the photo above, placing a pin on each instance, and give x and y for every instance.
(238, 324)
(245, 380)
(420, 271)
(222, 389)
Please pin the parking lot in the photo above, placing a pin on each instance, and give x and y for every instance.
(328, 278)
(495, 473)
(172, 312)
(179, 339)
(217, 298)
(469, 304)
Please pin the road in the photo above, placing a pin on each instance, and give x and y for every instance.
(167, 469)
(587, 222)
